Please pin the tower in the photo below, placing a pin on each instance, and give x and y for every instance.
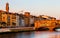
(7, 7)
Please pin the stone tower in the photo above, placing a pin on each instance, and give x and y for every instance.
(7, 7)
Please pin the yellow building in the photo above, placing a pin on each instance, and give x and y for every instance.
(0, 16)
(27, 18)
(11, 19)
(7, 18)
(3, 18)
(44, 17)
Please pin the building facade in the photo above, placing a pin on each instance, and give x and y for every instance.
(3, 18)
(27, 19)
(17, 19)
(21, 20)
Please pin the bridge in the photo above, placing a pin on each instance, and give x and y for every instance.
(49, 24)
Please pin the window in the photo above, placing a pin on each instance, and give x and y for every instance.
(13, 23)
(8, 18)
(13, 17)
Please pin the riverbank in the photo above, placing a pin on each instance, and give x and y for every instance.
(19, 29)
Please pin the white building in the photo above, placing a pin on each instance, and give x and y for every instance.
(17, 19)
(21, 20)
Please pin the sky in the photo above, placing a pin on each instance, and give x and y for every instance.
(35, 7)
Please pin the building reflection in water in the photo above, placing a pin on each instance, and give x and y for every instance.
(12, 35)
(36, 34)
(25, 35)
(47, 34)
(54, 36)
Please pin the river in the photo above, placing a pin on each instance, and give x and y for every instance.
(35, 34)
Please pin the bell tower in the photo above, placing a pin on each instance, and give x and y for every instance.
(7, 7)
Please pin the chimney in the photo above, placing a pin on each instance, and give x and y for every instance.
(7, 7)
(27, 14)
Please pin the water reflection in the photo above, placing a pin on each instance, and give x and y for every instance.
(36, 34)
(55, 35)
(25, 35)
(12, 35)
(47, 34)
